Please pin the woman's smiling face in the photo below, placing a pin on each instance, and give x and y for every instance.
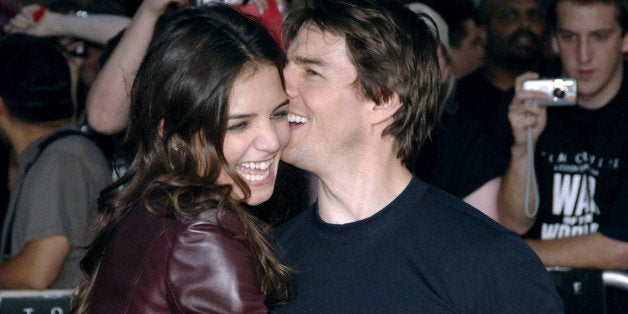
(257, 129)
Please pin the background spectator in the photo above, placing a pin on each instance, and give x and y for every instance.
(581, 151)
(60, 172)
(516, 34)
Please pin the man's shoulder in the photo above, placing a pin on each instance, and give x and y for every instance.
(66, 144)
(479, 240)
(451, 208)
(69, 140)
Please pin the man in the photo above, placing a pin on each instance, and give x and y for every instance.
(466, 36)
(60, 172)
(581, 151)
(457, 157)
(362, 80)
(515, 43)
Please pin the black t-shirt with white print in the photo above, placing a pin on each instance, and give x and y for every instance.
(581, 169)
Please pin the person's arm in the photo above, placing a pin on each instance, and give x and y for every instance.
(97, 28)
(209, 271)
(37, 266)
(108, 99)
(523, 113)
(484, 198)
(587, 251)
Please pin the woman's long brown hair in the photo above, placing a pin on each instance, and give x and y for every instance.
(185, 81)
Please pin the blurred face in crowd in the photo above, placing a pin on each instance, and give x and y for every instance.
(516, 32)
(257, 130)
(590, 43)
(470, 54)
(444, 63)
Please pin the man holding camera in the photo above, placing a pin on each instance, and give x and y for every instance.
(581, 151)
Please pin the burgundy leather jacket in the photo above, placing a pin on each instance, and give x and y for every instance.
(165, 265)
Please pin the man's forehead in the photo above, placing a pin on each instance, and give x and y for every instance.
(313, 31)
(569, 15)
(311, 39)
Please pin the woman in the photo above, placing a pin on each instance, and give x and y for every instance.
(208, 124)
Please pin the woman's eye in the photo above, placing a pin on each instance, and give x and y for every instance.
(236, 127)
(279, 115)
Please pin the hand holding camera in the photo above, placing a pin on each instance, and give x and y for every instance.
(525, 111)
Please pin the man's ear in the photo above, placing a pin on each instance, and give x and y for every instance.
(624, 47)
(3, 107)
(160, 128)
(554, 41)
(5, 115)
(386, 109)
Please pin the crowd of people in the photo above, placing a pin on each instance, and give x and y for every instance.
(379, 155)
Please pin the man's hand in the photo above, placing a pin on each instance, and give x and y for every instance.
(524, 113)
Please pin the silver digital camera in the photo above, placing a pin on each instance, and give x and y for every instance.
(560, 91)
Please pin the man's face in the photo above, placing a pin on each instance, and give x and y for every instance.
(516, 31)
(590, 43)
(470, 54)
(326, 109)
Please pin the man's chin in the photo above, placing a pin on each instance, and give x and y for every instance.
(288, 155)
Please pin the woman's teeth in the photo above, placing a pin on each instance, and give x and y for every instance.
(250, 171)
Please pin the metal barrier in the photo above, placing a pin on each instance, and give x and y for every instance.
(53, 301)
(615, 278)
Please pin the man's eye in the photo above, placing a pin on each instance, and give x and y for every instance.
(536, 15)
(508, 15)
(567, 36)
(236, 127)
(311, 72)
(601, 36)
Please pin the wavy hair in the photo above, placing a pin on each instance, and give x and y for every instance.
(182, 88)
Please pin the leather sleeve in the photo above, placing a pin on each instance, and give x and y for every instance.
(209, 272)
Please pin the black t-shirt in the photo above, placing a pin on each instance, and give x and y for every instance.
(488, 105)
(459, 158)
(580, 163)
(426, 252)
